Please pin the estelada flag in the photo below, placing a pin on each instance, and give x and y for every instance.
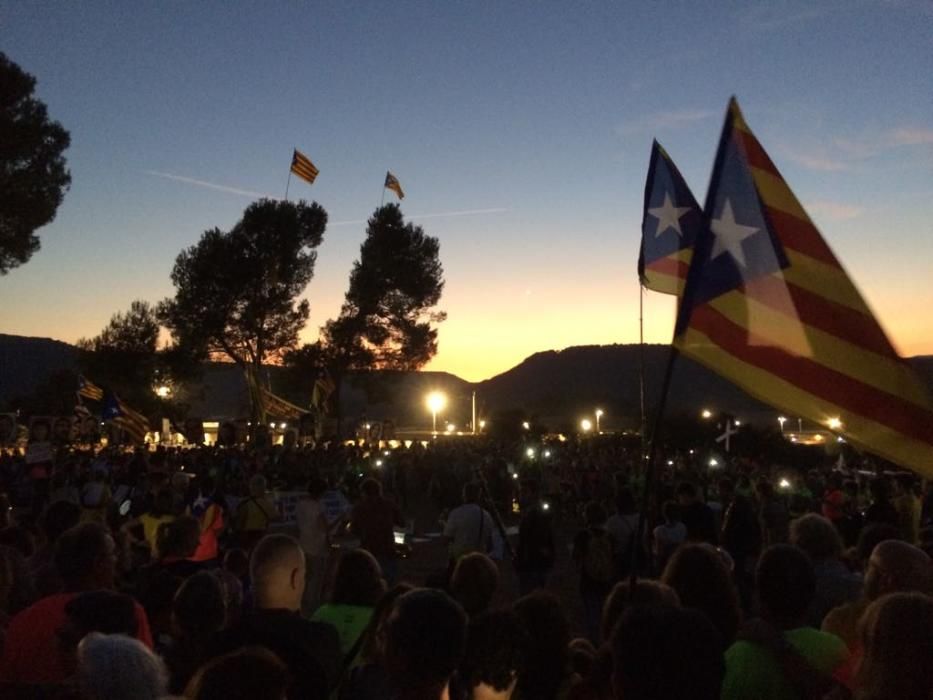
(279, 407)
(120, 414)
(89, 389)
(303, 167)
(393, 184)
(669, 226)
(768, 305)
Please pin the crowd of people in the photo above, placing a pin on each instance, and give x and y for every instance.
(181, 572)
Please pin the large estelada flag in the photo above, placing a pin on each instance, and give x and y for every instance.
(303, 167)
(89, 390)
(669, 226)
(135, 424)
(768, 305)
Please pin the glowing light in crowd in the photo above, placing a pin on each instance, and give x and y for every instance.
(547, 453)
(526, 425)
(282, 426)
(736, 422)
(713, 463)
(586, 425)
(163, 392)
(670, 462)
(706, 413)
(515, 476)
(546, 505)
(782, 420)
(784, 484)
(834, 423)
(378, 462)
(599, 414)
(530, 452)
(482, 424)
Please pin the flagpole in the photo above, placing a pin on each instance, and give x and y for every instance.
(287, 183)
(639, 534)
(641, 360)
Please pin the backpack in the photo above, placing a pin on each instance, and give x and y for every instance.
(598, 559)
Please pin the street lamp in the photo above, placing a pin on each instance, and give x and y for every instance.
(586, 424)
(482, 425)
(834, 423)
(782, 420)
(599, 414)
(163, 391)
(526, 425)
(436, 402)
(706, 414)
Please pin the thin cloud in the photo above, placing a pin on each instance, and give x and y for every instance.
(815, 161)
(439, 215)
(834, 211)
(665, 121)
(911, 136)
(209, 185)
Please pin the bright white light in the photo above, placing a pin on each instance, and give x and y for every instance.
(450, 427)
(530, 452)
(436, 401)
(834, 423)
(526, 425)
(272, 425)
(586, 424)
(163, 391)
(515, 476)
(547, 453)
(691, 451)
(386, 453)
(599, 413)
(283, 426)
(713, 463)
(378, 462)
(793, 438)
(482, 424)
(840, 439)
(670, 462)
(736, 422)
(706, 413)
(784, 484)
(546, 505)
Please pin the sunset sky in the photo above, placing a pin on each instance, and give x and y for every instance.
(519, 131)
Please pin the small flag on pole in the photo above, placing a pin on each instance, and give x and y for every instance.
(669, 226)
(89, 390)
(393, 184)
(303, 167)
(132, 422)
(768, 306)
(279, 407)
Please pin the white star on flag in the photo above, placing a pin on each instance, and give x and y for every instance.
(668, 216)
(729, 235)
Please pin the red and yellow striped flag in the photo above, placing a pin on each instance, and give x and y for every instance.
(279, 407)
(768, 305)
(303, 167)
(393, 184)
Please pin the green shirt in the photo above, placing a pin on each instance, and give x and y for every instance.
(752, 672)
(348, 620)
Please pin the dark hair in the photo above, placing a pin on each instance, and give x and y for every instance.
(647, 593)
(686, 488)
(672, 511)
(873, 535)
(317, 487)
(548, 629)
(236, 561)
(594, 514)
(495, 650)
(665, 653)
(358, 579)
(786, 582)
(178, 538)
(471, 492)
(372, 635)
(703, 583)
(425, 639)
(78, 550)
(625, 501)
(199, 608)
(816, 536)
(252, 673)
(106, 612)
(162, 503)
(371, 488)
(58, 518)
(474, 582)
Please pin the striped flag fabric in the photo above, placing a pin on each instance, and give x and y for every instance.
(135, 424)
(669, 226)
(768, 305)
(89, 390)
(279, 407)
(324, 386)
(303, 167)
(393, 184)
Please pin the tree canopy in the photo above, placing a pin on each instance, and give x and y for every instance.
(236, 292)
(388, 320)
(33, 176)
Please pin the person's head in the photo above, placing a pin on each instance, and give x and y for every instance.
(199, 609)
(16, 589)
(896, 566)
(897, 637)
(667, 653)
(425, 636)
(686, 493)
(257, 486)
(277, 571)
(870, 537)
(786, 585)
(474, 582)
(702, 581)
(471, 492)
(251, 673)
(358, 579)
(373, 647)
(101, 612)
(316, 488)
(236, 561)
(117, 667)
(371, 488)
(621, 598)
(58, 518)
(816, 536)
(162, 503)
(594, 515)
(671, 512)
(543, 618)
(85, 558)
(625, 501)
(495, 655)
